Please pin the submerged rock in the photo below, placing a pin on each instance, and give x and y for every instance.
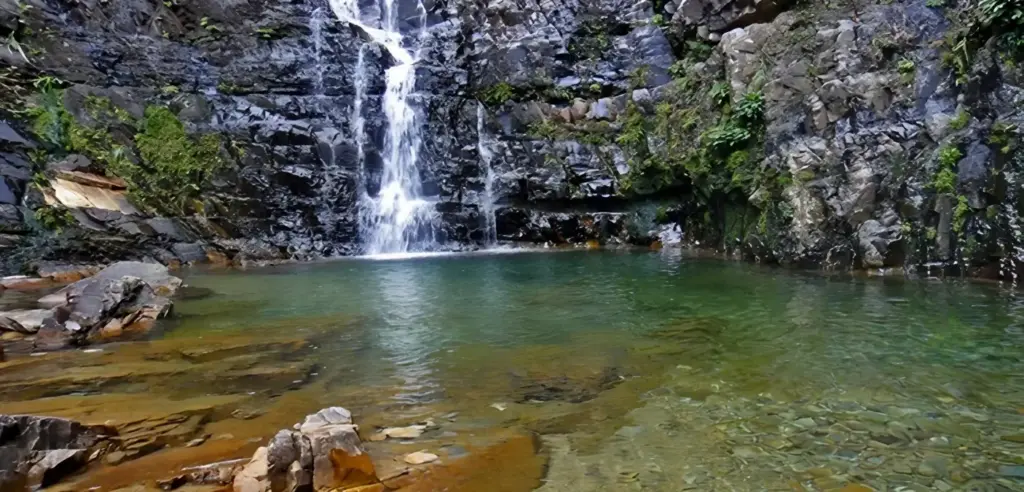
(420, 457)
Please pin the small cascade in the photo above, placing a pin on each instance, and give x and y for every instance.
(398, 219)
(486, 156)
(1012, 241)
(357, 120)
(316, 26)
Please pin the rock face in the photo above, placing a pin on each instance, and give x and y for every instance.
(124, 297)
(38, 451)
(573, 121)
(323, 453)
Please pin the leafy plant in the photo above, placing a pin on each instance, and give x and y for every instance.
(497, 94)
(960, 121)
(638, 78)
(209, 26)
(907, 69)
(721, 93)
(960, 213)
(945, 179)
(53, 218)
(174, 167)
(725, 137)
(678, 69)
(750, 110)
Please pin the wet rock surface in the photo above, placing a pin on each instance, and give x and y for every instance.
(522, 106)
(124, 298)
(40, 451)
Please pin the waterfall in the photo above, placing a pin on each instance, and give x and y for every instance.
(486, 156)
(356, 118)
(316, 29)
(1012, 240)
(398, 219)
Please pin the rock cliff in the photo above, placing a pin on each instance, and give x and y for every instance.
(861, 134)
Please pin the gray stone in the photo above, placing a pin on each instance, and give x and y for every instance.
(9, 136)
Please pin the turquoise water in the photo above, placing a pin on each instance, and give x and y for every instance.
(865, 331)
(636, 341)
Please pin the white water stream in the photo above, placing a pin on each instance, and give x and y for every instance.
(398, 219)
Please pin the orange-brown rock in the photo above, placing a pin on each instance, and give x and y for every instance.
(512, 463)
(352, 470)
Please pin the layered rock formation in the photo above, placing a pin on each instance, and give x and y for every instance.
(123, 299)
(850, 136)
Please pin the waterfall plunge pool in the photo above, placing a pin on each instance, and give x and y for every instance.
(585, 370)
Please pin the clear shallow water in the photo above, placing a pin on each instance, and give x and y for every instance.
(638, 370)
(629, 363)
(771, 327)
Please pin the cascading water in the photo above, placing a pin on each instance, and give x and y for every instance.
(397, 219)
(1012, 242)
(486, 156)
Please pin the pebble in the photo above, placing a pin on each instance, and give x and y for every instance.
(420, 457)
(745, 452)
(805, 423)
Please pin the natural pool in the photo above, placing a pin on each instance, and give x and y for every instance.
(624, 370)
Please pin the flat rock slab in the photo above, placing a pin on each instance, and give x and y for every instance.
(25, 321)
(420, 457)
(77, 195)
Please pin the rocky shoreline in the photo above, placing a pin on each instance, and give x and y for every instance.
(122, 300)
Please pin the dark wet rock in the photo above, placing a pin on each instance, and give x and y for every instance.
(720, 15)
(123, 297)
(39, 451)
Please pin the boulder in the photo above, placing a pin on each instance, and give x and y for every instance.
(126, 296)
(39, 451)
(324, 452)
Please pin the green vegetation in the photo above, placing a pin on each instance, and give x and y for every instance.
(53, 219)
(960, 121)
(228, 88)
(209, 26)
(960, 213)
(268, 33)
(171, 167)
(590, 41)
(174, 166)
(907, 69)
(945, 179)
(978, 21)
(1003, 135)
(497, 94)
